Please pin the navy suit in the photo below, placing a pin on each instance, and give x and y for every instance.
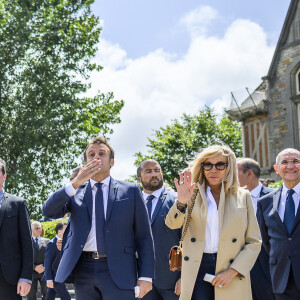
(127, 231)
(282, 247)
(260, 274)
(16, 253)
(164, 239)
(52, 259)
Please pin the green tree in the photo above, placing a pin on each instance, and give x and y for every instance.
(47, 49)
(178, 143)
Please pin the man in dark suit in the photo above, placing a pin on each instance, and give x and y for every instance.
(279, 220)
(16, 254)
(39, 248)
(108, 225)
(52, 260)
(158, 202)
(249, 173)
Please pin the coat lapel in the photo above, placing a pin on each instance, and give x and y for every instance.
(221, 208)
(276, 200)
(112, 195)
(160, 201)
(88, 197)
(2, 208)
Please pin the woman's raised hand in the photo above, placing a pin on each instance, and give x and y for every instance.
(184, 187)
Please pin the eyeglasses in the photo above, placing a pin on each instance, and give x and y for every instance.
(38, 228)
(219, 166)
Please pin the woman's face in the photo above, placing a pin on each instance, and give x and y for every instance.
(214, 176)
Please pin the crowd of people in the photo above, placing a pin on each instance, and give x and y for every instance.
(117, 241)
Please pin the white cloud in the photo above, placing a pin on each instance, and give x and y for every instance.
(196, 21)
(159, 87)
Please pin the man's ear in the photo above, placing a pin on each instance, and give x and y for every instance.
(4, 176)
(276, 169)
(139, 179)
(112, 162)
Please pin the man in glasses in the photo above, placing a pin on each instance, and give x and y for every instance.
(279, 219)
(249, 173)
(158, 201)
(16, 254)
(39, 248)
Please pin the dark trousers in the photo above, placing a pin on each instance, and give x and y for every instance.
(8, 291)
(261, 284)
(161, 294)
(291, 292)
(32, 293)
(92, 281)
(59, 289)
(204, 290)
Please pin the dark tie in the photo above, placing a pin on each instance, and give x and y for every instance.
(100, 220)
(289, 213)
(149, 205)
(37, 242)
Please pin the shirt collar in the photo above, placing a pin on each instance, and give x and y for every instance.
(105, 182)
(256, 191)
(296, 188)
(1, 195)
(156, 193)
(35, 237)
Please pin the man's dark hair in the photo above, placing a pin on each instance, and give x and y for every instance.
(59, 226)
(140, 167)
(249, 164)
(99, 140)
(2, 166)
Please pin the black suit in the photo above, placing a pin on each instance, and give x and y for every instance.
(260, 274)
(38, 259)
(16, 254)
(282, 247)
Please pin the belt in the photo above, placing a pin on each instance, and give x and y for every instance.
(92, 255)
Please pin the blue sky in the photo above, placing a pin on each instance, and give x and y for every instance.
(166, 58)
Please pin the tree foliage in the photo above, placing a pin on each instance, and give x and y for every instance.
(178, 143)
(47, 47)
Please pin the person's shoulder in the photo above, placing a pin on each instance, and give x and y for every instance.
(13, 198)
(125, 184)
(267, 190)
(44, 239)
(243, 192)
(171, 194)
(269, 197)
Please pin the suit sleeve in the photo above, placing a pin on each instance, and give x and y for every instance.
(49, 258)
(25, 241)
(143, 237)
(245, 260)
(175, 218)
(263, 227)
(57, 205)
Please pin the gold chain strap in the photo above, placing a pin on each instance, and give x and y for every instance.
(188, 217)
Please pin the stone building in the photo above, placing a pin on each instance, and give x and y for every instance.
(271, 114)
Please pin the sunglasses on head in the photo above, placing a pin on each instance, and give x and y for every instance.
(207, 166)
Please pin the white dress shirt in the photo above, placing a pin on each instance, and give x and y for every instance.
(255, 196)
(156, 195)
(283, 197)
(212, 224)
(91, 243)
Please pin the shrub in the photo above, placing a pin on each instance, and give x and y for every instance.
(49, 228)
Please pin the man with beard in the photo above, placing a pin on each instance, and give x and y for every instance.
(166, 285)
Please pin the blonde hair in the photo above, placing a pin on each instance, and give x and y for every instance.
(230, 180)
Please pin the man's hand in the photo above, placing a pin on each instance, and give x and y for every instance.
(145, 287)
(86, 172)
(23, 288)
(50, 284)
(178, 287)
(39, 268)
(59, 244)
(224, 278)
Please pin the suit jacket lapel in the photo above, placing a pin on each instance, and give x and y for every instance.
(276, 200)
(297, 219)
(88, 197)
(160, 201)
(112, 195)
(2, 208)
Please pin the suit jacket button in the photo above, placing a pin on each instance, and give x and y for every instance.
(290, 239)
(193, 240)
(176, 215)
(231, 261)
(234, 240)
(186, 258)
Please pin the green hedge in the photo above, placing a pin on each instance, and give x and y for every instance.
(49, 228)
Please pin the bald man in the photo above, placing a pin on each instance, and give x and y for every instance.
(279, 219)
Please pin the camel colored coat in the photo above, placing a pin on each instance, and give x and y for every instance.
(239, 242)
